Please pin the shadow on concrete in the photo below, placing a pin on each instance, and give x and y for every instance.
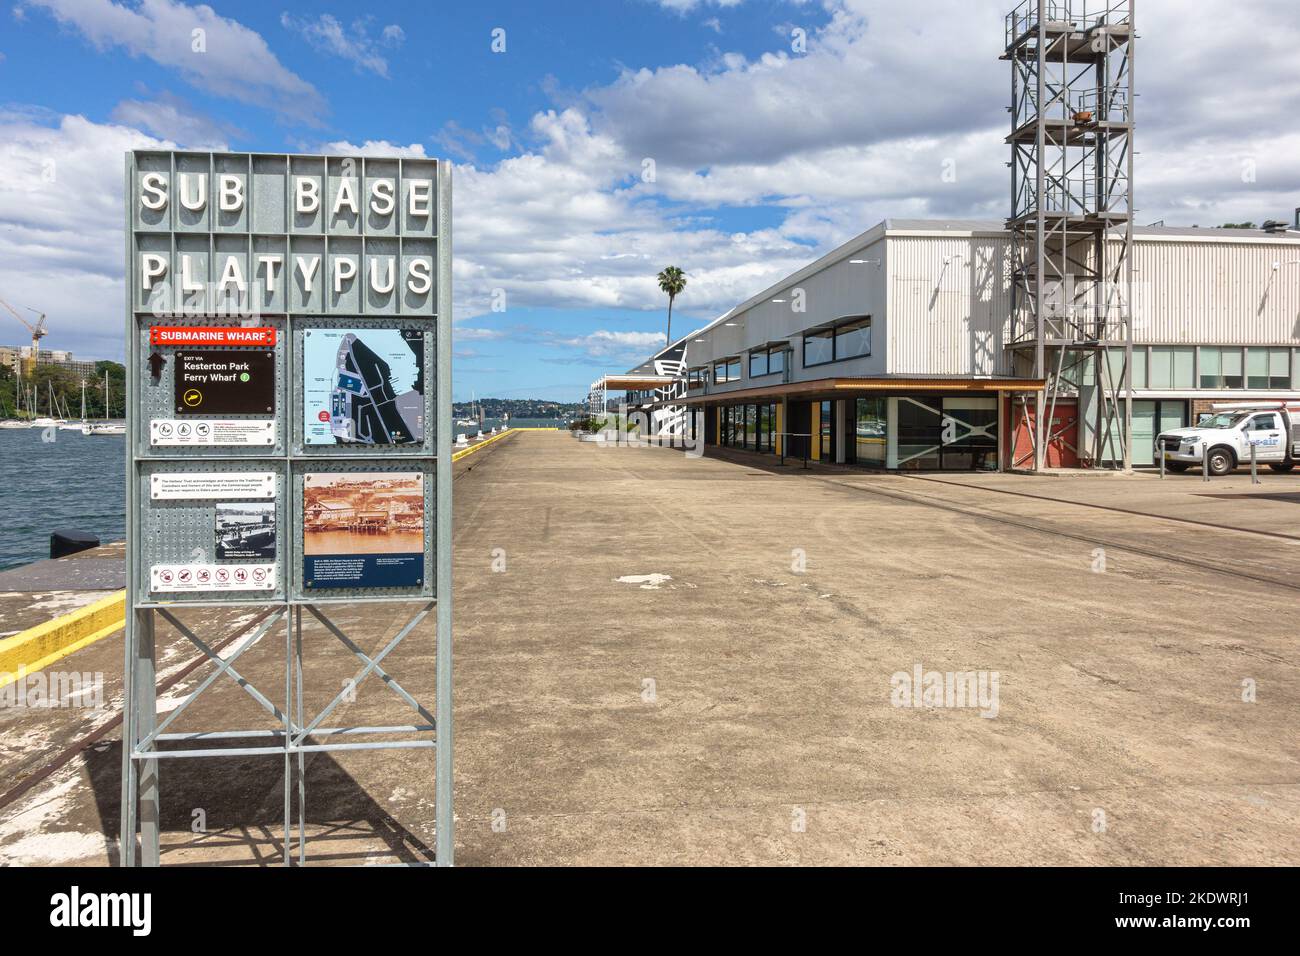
(240, 801)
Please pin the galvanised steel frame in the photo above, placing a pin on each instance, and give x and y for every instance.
(1071, 223)
(297, 735)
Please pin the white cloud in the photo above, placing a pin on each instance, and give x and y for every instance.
(354, 44)
(603, 345)
(171, 117)
(210, 52)
(856, 131)
(375, 147)
(61, 239)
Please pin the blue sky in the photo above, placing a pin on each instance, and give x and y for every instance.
(775, 129)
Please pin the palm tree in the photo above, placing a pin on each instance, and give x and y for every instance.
(672, 281)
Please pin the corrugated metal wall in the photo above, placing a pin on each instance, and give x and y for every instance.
(1216, 293)
(949, 305)
(952, 318)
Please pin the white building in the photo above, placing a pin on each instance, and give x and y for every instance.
(892, 350)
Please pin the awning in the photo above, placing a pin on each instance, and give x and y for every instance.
(633, 383)
(843, 387)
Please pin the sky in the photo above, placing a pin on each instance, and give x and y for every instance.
(596, 143)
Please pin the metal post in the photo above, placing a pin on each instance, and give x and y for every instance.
(1205, 461)
(146, 717)
(1254, 471)
(444, 818)
(1162, 464)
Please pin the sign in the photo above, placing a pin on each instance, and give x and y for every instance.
(363, 386)
(224, 382)
(211, 432)
(186, 486)
(289, 426)
(169, 578)
(224, 335)
(363, 530)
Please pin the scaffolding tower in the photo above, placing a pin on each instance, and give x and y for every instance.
(1071, 224)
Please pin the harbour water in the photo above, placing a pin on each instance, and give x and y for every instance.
(74, 482)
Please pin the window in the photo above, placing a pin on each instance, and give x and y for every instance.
(826, 431)
(1265, 422)
(819, 348)
(727, 370)
(848, 339)
(697, 378)
(870, 426)
(1267, 368)
(766, 362)
(1116, 361)
(853, 339)
(1171, 367)
(751, 427)
(1220, 367)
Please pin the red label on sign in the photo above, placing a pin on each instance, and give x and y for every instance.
(210, 335)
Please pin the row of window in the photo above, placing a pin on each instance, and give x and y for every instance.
(1210, 366)
(850, 338)
(751, 427)
(1154, 366)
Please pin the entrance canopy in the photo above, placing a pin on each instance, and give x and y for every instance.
(844, 387)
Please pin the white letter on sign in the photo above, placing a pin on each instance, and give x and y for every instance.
(307, 269)
(381, 197)
(418, 198)
(420, 279)
(187, 282)
(152, 266)
(385, 285)
(306, 194)
(346, 196)
(232, 274)
(270, 262)
(232, 194)
(196, 202)
(344, 269)
(154, 186)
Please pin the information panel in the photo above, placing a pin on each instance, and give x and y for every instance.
(288, 445)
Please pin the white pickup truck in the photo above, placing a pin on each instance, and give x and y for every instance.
(1272, 427)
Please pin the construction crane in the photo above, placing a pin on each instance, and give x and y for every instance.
(38, 332)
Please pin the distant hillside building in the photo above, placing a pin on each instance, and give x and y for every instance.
(12, 357)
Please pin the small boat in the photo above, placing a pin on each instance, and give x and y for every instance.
(104, 428)
(15, 423)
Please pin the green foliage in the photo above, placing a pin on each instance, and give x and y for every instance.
(66, 388)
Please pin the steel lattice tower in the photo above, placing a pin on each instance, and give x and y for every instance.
(1071, 221)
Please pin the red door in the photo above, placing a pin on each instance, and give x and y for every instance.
(1063, 434)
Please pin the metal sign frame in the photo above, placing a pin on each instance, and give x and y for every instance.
(267, 220)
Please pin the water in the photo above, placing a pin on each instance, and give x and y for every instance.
(490, 423)
(76, 482)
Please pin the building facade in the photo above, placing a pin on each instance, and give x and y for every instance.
(893, 351)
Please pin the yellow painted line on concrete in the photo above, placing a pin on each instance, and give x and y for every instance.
(457, 455)
(42, 645)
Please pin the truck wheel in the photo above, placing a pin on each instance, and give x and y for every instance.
(1222, 461)
(1177, 467)
(1282, 465)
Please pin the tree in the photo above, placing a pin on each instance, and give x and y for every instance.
(672, 281)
